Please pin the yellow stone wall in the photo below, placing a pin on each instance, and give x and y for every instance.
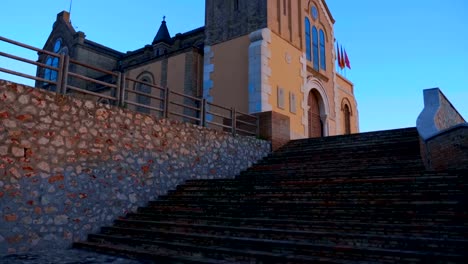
(286, 74)
(345, 95)
(230, 76)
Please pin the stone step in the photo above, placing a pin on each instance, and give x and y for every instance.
(366, 136)
(402, 147)
(387, 241)
(372, 228)
(185, 252)
(427, 213)
(186, 244)
(332, 183)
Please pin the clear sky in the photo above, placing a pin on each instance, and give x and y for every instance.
(396, 48)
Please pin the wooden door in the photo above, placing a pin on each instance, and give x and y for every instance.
(315, 123)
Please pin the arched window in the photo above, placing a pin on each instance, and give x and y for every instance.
(143, 99)
(347, 119)
(307, 40)
(315, 47)
(323, 61)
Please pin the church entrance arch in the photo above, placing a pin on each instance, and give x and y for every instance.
(314, 114)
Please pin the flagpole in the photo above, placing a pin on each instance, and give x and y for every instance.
(69, 10)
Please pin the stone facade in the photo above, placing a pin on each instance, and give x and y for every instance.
(68, 166)
(438, 114)
(443, 132)
(447, 150)
(229, 19)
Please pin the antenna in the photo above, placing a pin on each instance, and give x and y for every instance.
(69, 10)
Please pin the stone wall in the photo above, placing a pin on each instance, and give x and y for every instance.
(274, 127)
(69, 166)
(443, 132)
(447, 150)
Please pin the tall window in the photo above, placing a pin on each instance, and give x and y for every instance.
(347, 120)
(307, 33)
(143, 99)
(323, 61)
(315, 48)
(53, 61)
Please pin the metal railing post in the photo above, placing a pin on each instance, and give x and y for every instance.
(122, 90)
(65, 65)
(166, 102)
(203, 112)
(118, 89)
(59, 80)
(233, 120)
(257, 128)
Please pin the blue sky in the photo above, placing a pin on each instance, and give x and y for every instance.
(396, 48)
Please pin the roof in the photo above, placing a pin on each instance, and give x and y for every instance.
(163, 34)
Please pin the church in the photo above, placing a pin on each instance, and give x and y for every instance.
(259, 56)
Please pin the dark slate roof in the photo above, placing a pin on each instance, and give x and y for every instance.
(163, 34)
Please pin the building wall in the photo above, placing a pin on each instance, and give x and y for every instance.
(230, 74)
(287, 23)
(345, 95)
(69, 166)
(224, 21)
(286, 77)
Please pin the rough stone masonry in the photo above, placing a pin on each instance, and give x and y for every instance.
(69, 166)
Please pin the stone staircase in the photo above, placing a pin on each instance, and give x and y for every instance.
(344, 199)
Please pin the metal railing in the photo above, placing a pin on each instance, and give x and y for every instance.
(74, 78)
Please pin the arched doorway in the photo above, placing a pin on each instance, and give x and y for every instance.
(347, 119)
(315, 122)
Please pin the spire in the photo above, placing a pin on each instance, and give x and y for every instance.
(163, 33)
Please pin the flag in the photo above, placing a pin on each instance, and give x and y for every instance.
(342, 61)
(347, 60)
(338, 55)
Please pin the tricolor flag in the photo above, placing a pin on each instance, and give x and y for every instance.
(342, 61)
(347, 60)
(338, 55)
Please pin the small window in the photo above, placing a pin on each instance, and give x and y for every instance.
(315, 48)
(57, 45)
(314, 13)
(280, 98)
(323, 61)
(292, 102)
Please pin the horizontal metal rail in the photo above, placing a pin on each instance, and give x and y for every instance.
(218, 115)
(145, 106)
(28, 61)
(218, 124)
(245, 114)
(27, 76)
(79, 76)
(74, 88)
(92, 67)
(246, 123)
(245, 131)
(219, 106)
(186, 96)
(184, 105)
(146, 83)
(29, 47)
(185, 116)
(145, 94)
